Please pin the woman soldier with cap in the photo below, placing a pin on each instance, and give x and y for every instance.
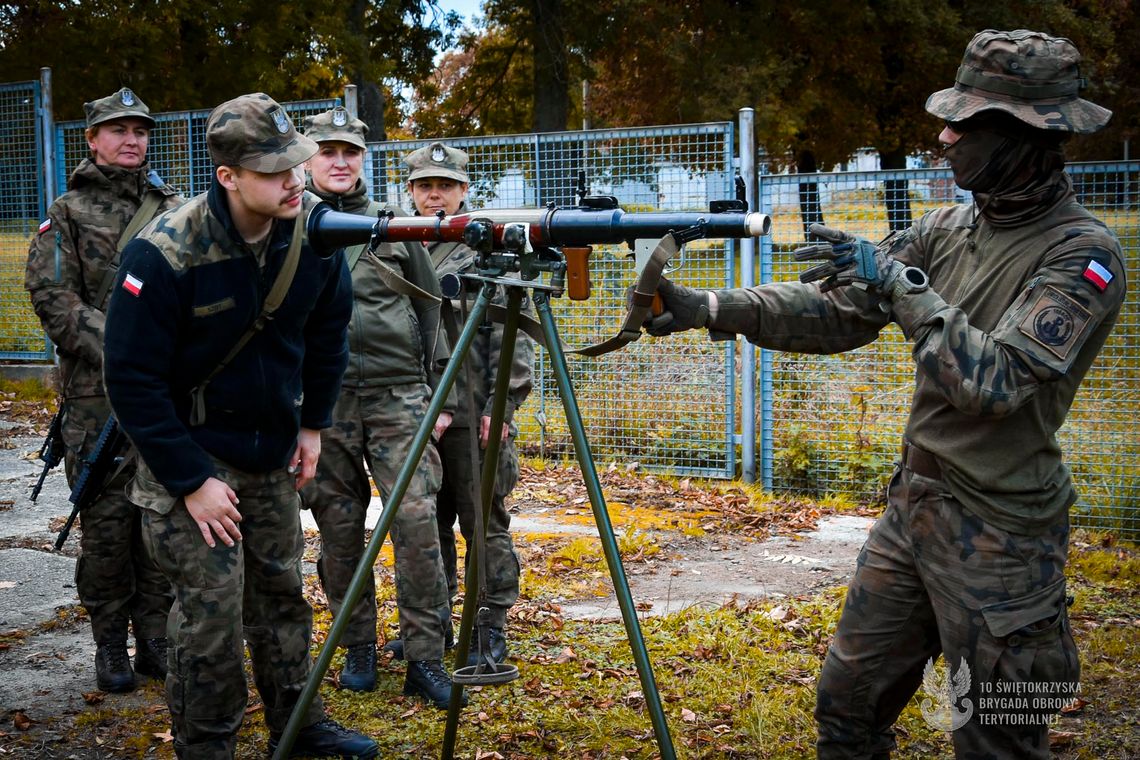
(71, 264)
(396, 352)
(1007, 301)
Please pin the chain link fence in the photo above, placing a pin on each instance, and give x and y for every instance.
(825, 424)
(21, 210)
(664, 404)
(833, 424)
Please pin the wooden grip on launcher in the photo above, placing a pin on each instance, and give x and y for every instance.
(577, 271)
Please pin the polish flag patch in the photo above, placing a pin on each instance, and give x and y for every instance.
(132, 284)
(45, 225)
(1098, 274)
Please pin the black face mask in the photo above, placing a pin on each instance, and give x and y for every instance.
(977, 159)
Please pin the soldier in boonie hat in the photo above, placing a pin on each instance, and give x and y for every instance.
(254, 132)
(119, 105)
(437, 160)
(336, 125)
(1029, 75)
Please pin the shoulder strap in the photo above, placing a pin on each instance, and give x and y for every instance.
(354, 253)
(148, 209)
(276, 296)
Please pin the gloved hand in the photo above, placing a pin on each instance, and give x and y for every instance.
(848, 260)
(684, 309)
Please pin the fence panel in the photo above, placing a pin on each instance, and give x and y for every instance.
(21, 211)
(833, 424)
(669, 404)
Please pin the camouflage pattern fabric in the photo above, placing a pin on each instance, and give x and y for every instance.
(1029, 75)
(437, 160)
(228, 597)
(117, 579)
(121, 104)
(67, 262)
(996, 374)
(455, 499)
(376, 426)
(255, 132)
(934, 578)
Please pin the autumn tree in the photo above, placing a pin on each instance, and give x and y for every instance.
(182, 54)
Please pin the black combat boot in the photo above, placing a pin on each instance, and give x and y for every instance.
(428, 679)
(496, 640)
(359, 672)
(327, 738)
(150, 657)
(113, 667)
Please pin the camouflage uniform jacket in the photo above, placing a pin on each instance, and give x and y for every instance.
(68, 260)
(485, 349)
(187, 290)
(1012, 321)
(393, 339)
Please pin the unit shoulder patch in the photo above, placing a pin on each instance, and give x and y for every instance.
(1055, 321)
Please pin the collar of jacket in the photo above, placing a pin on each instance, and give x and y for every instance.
(112, 177)
(355, 201)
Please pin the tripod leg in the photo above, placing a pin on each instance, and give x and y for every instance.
(605, 528)
(473, 577)
(399, 488)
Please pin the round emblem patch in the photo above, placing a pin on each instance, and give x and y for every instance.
(339, 117)
(1053, 326)
(280, 121)
(127, 97)
(437, 154)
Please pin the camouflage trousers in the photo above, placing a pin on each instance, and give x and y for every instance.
(225, 598)
(456, 499)
(935, 579)
(376, 426)
(117, 580)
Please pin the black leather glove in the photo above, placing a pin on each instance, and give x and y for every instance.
(684, 309)
(848, 260)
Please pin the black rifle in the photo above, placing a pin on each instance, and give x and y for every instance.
(98, 470)
(53, 449)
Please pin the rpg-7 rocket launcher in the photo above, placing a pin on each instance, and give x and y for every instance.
(523, 240)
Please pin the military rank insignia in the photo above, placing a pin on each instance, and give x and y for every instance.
(1098, 274)
(1056, 322)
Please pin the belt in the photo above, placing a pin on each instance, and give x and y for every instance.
(921, 462)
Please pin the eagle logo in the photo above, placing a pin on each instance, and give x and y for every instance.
(437, 154)
(944, 691)
(127, 98)
(339, 117)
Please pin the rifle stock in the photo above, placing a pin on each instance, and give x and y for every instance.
(98, 469)
(52, 449)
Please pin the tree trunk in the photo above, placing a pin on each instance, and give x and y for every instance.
(896, 192)
(558, 162)
(811, 212)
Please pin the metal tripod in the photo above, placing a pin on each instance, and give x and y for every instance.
(551, 261)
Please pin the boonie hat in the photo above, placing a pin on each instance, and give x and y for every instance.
(1029, 75)
(254, 132)
(437, 160)
(336, 125)
(120, 105)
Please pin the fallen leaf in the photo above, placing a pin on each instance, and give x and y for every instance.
(568, 655)
(688, 715)
(21, 721)
(8, 584)
(163, 736)
(93, 697)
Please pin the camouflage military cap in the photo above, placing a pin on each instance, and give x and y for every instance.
(437, 160)
(1029, 75)
(254, 132)
(336, 125)
(120, 105)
